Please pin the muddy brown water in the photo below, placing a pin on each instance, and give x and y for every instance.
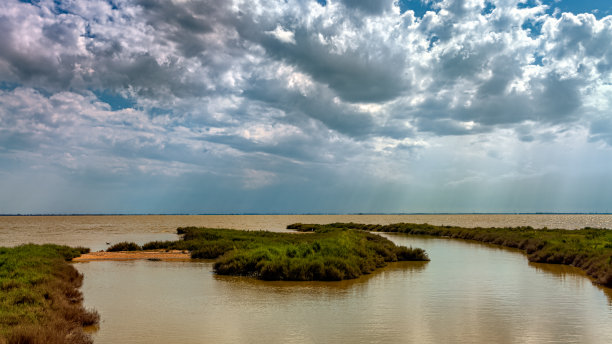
(467, 293)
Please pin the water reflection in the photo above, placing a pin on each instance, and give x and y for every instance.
(468, 293)
(157, 302)
(392, 270)
(569, 274)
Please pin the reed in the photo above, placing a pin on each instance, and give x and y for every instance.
(39, 297)
(589, 249)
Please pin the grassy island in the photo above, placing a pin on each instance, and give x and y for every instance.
(589, 249)
(327, 254)
(39, 297)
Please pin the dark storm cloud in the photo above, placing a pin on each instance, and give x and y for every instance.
(74, 50)
(447, 127)
(14, 141)
(33, 66)
(369, 73)
(147, 77)
(369, 7)
(61, 33)
(555, 100)
(184, 16)
(319, 106)
(183, 23)
(299, 148)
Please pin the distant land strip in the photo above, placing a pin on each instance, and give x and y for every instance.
(315, 213)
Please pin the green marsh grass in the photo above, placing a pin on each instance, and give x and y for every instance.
(589, 249)
(124, 246)
(328, 254)
(39, 297)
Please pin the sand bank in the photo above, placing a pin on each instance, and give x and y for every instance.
(128, 255)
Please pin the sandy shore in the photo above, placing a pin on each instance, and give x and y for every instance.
(128, 255)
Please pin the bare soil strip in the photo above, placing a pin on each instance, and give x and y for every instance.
(130, 255)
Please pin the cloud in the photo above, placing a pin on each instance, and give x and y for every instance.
(296, 91)
(457, 63)
(282, 35)
(369, 7)
(255, 179)
(601, 129)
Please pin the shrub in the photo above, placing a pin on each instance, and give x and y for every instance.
(158, 245)
(124, 246)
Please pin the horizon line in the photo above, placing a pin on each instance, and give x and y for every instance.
(309, 213)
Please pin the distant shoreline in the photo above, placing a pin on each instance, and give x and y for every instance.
(293, 214)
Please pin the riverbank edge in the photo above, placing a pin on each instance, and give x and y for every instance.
(40, 300)
(589, 249)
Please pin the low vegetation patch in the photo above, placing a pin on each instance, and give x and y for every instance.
(39, 297)
(589, 249)
(124, 246)
(327, 254)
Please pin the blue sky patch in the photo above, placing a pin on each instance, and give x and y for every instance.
(534, 27)
(8, 86)
(420, 7)
(116, 101)
(488, 9)
(600, 8)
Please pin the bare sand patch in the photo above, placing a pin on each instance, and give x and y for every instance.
(129, 255)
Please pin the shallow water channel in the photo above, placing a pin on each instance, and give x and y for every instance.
(467, 293)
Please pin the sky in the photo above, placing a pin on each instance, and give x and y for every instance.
(312, 106)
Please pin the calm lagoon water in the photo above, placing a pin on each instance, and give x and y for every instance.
(468, 293)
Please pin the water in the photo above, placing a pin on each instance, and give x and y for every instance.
(468, 293)
(96, 231)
